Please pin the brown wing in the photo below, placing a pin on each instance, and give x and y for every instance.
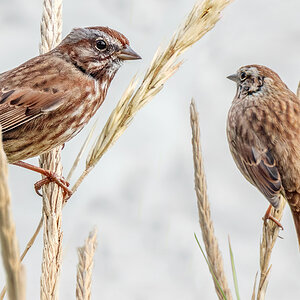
(32, 89)
(18, 106)
(259, 167)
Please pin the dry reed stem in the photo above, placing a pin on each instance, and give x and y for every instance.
(28, 246)
(254, 288)
(52, 235)
(3, 292)
(9, 244)
(202, 18)
(270, 234)
(81, 151)
(51, 27)
(85, 267)
(32, 239)
(210, 241)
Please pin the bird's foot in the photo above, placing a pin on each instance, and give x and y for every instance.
(268, 216)
(53, 177)
(49, 177)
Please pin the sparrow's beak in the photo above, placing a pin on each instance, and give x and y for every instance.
(128, 54)
(233, 77)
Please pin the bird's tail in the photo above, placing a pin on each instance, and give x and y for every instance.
(294, 202)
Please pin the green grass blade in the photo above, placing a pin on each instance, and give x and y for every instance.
(236, 287)
(211, 269)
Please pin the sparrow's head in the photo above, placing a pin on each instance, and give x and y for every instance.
(253, 79)
(96, 50)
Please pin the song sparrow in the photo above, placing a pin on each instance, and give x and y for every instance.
(47, 100)
(263, 130)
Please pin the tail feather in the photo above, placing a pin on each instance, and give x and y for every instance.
(294, 202)
(296, 216)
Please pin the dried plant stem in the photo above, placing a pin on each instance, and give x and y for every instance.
(28, 246)
(52, 236)
(81, 178)
(85, 266)
(211, 244)
(202, 18)
(9, 244)
(32, 239)
(80, 153)
(254, 287)
(270, 234)
(51, 27)
(3, 292)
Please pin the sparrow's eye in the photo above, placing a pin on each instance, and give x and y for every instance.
(243, 76)
(101, 44)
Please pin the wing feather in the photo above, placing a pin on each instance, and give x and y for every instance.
(18, 106)
(259, 167)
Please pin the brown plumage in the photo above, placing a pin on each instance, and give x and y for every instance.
(263, 130)
(48, 99)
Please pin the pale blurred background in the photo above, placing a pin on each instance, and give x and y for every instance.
(141, 195)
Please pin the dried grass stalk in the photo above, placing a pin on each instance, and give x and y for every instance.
(28, 246)
(270, 234)
(85, 266)
(52, 235)
(80, 153)
(202, 18)
(9, 244)
(51, 27)
(210, 241)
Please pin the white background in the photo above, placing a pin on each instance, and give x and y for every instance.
(141, 196)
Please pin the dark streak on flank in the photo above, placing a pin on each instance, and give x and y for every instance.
(5, 96)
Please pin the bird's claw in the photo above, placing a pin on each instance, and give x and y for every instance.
(268, 216)
(53, 177)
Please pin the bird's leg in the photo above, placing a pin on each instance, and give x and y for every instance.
(49, 177)
(268, 216)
